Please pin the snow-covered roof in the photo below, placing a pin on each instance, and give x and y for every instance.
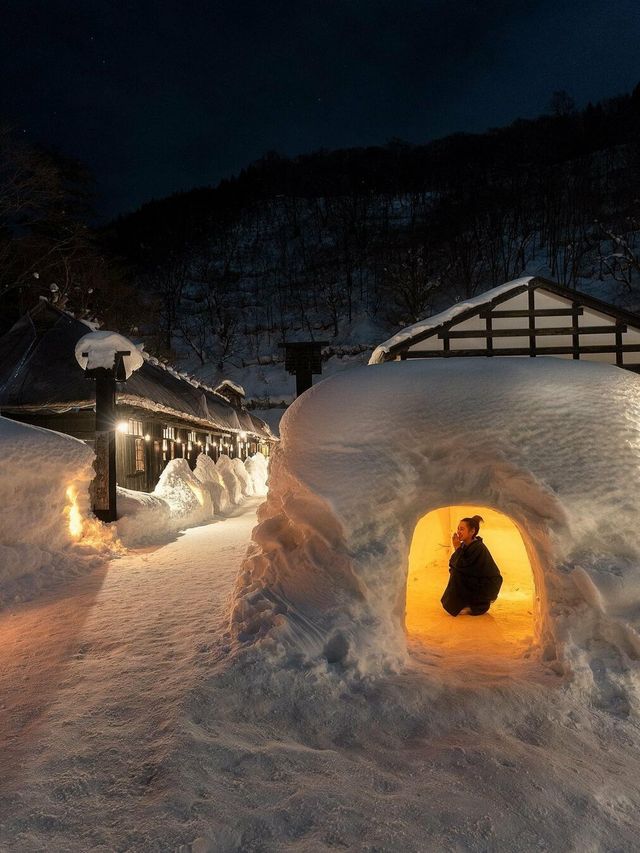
(551, 294)
(38, 371)
(227, 383)
(413, 331)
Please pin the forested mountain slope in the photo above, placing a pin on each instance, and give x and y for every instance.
(347, 246)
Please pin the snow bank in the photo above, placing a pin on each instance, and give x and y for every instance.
(207, 474)
(553, 444)
(246, 483)
(232, 482)
(258, 469)
(44, 482)
(101, 349)
(178, 501)
(183, 498)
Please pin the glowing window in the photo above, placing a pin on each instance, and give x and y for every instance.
(140, 464)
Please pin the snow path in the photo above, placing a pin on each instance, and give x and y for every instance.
(105, 667)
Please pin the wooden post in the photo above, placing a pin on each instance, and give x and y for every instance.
(103, 488)
(302, 358)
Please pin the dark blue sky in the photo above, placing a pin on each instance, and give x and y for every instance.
(161, 96)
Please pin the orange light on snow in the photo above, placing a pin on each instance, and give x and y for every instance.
(508, 628)
(198, 493)
(73, 512)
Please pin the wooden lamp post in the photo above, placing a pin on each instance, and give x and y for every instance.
(303, 359)
(104, 483)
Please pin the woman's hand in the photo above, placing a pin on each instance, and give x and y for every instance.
(455, 540)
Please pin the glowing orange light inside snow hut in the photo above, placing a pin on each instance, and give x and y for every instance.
(508, 629)
(73, 512)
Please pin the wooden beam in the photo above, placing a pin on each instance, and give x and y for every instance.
(523, 351)
(532, 320)
(575, 335)
(541, 332)
(538, 312)
(620, 328)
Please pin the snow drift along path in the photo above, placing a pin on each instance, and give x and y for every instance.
(91, 687)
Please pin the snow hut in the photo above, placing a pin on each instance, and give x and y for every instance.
(527, 317)
(375, 467)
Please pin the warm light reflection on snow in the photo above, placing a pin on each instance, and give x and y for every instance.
(508, 628)
(198, 493)
(73, 512)
(90, 532)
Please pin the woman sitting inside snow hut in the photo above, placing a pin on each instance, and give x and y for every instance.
(474, 578)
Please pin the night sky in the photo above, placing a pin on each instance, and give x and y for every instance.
(161, 96)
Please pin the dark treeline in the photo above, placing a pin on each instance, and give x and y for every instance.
(313, 242)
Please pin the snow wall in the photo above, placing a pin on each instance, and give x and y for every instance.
(42, 475)
(553, 444)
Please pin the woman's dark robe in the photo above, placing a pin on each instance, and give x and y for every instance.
(474, 579)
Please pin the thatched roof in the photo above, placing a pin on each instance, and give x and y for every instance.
(38, 371)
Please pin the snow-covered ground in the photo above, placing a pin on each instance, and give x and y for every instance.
(128, 723)
(93, 687)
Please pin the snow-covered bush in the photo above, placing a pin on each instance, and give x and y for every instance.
(44, 482)
(208, 475)
(232, 483)
(144, 518)
(178, 501)
(183, 492)
(258, 469)
(246, 483)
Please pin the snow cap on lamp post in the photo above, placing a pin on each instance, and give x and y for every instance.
(110, 351)
(106, 357)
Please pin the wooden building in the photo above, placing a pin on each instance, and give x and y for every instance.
(526, 317)
(161, 414)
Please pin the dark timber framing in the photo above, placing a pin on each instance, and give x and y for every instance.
(567, 325)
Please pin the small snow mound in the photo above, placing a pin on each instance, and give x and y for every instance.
(143, 518)
(258, 469)
(227, 471)
(207, 474)
(246, 483)
(183, 492)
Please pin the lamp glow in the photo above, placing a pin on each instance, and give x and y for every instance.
(73, 512)
(122, 426)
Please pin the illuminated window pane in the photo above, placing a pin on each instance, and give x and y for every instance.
(140, 466)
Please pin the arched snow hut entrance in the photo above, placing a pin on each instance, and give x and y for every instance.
(509, 626)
